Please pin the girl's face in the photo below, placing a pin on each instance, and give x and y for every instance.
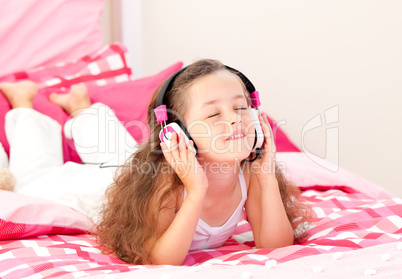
(218, 118)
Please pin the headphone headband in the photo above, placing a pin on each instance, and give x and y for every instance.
(167, 86)
(249, 86)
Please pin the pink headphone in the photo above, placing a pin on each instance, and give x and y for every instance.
(178, 127)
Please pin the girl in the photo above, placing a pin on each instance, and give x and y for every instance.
(169, 200)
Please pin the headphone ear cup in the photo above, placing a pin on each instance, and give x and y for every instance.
(184, 130)
(259, 134)
(178, 127)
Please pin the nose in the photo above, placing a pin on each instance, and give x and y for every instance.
(234, 122)
(235, 118)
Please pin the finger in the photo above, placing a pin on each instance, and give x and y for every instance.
(182, 147)
(173, 144)
(269, 144)
(265, 123)
(191, 149)
(271, 134)
(164, 148)
(267, 128)
(175, 152)
(167, 154)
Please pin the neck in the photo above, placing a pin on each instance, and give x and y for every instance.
(222, 177)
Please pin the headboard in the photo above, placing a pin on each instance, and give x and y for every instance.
(41, 32)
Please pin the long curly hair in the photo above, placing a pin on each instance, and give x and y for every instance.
(129, 218)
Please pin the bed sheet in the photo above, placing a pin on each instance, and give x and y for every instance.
(343, 223)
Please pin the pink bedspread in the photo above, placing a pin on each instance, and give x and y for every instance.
(344, 224)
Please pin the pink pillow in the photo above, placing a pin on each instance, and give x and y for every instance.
(129, 100)
(282, 141)
(42, 32)
(24, 216)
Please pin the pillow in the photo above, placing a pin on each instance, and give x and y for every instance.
(105, 66)
(313, 172)
(282, 141)
(24, 216)
(42, 32)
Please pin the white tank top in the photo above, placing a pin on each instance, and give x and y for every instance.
(206, 237)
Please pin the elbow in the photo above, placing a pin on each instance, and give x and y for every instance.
(282, 240)
(274, 245)
(166, 260)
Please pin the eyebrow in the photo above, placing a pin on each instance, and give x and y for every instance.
(211, 102)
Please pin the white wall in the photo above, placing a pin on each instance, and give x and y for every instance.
(304, 57)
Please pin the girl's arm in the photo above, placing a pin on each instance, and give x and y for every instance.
(266, 214)
(178, 231)
(173, 245)
(264, 207)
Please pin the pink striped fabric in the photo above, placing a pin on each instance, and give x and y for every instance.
(105, 66)
(344, 223)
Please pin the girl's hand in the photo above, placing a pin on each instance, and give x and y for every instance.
(185, 164)
(265, 167)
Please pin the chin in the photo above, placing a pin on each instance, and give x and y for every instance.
(227, 151)
(224, 157)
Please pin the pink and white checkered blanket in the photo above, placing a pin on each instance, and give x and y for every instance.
(349, 230)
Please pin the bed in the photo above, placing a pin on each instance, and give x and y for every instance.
(356, 229)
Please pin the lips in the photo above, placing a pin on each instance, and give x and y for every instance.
(237, 135)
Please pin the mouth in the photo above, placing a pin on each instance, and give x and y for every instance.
(237, 135)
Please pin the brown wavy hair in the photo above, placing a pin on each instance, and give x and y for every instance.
(129, 218)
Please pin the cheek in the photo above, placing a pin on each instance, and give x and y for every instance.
(200, 132)
(250, 129)
(248, 124)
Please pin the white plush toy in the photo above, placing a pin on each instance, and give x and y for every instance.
(7, 180)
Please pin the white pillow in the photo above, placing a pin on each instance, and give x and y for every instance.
(307, 173)
(23, 216)
(3, 157)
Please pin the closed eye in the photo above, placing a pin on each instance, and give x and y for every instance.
(213, 115)
(216, 114)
